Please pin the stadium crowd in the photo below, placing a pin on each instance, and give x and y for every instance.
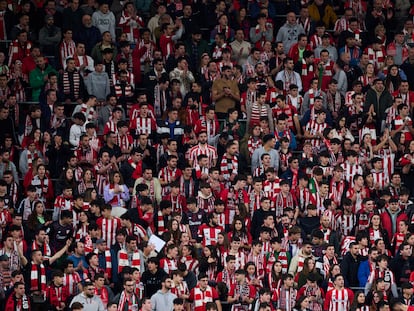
(206, 155)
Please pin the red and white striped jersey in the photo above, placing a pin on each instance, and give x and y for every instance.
(208, 150)
(388, 160)
(168, 175)
(381, 179)
(109, 228)
(338, 299)
(313, 128)
(271, 189)
(240, 260)
(289, 110)
(360, 195)
(317, 200)
(346, 224)
(143, 125)
(303, 197)
(209, 234)
(336, 191)
(350, 170)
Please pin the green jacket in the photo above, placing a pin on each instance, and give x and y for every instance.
(37, 80)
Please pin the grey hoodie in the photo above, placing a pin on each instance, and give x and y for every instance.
(104, 22)
(288, 34)
(162, 301)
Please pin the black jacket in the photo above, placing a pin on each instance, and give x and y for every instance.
(349, 268)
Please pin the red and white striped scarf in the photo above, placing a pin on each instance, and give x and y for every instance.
(38, 278)
(77, 58)
(160, 223)
(124, 141)
(336, 191)
(355, 51)
(282, 202)
(108, 261)
(228, 165)
(89, 112)
(253, 143)
(123, 260)
(75, 81)
(125, 300)
(303, 197)
(45, 249)
(71, 281)
(226, 31)
(306, 69)
(327, 263)
(305, 24)
(67, 49)
(190, 186)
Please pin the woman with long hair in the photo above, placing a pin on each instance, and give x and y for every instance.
(43, 184)
(239, 230)
(251, 275)
(82, 227)
(393, 79)
(189, 257)
(37, 219)
(86, 182)
(376, 231)
(116, 193)
(333, 271)
(302, 304)
(209, 261)
(88, 196)
(45, 144)
(173, 226)
(382, 247)
(309, 267)
(67, 178)
(359, 303)
(273, 279)
(368, 77)
(223, 243)
(240, 20)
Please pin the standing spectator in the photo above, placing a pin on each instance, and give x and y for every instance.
(350, 265)
(163, 298)
(87, 298)
(225, 93)
(289, 33)
(72, 17)
(104, 19)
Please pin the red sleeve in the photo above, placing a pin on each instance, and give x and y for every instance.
(191, 297)
(232, 289)
(301, 291)
(404, 161)
(350, 295)
(412, 277)
(328, 300)
(245, 197)
(252, 294)
(219, 277)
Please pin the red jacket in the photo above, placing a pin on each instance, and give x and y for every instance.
(386, 221)
(294, 52)
(56, 295)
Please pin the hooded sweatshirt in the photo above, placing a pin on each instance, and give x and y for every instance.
(104, 22)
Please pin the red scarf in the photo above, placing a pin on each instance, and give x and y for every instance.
(77, 62)
(130, 301)
(38, 278)
(90, 115)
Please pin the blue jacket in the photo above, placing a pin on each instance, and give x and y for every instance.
(363, 273)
